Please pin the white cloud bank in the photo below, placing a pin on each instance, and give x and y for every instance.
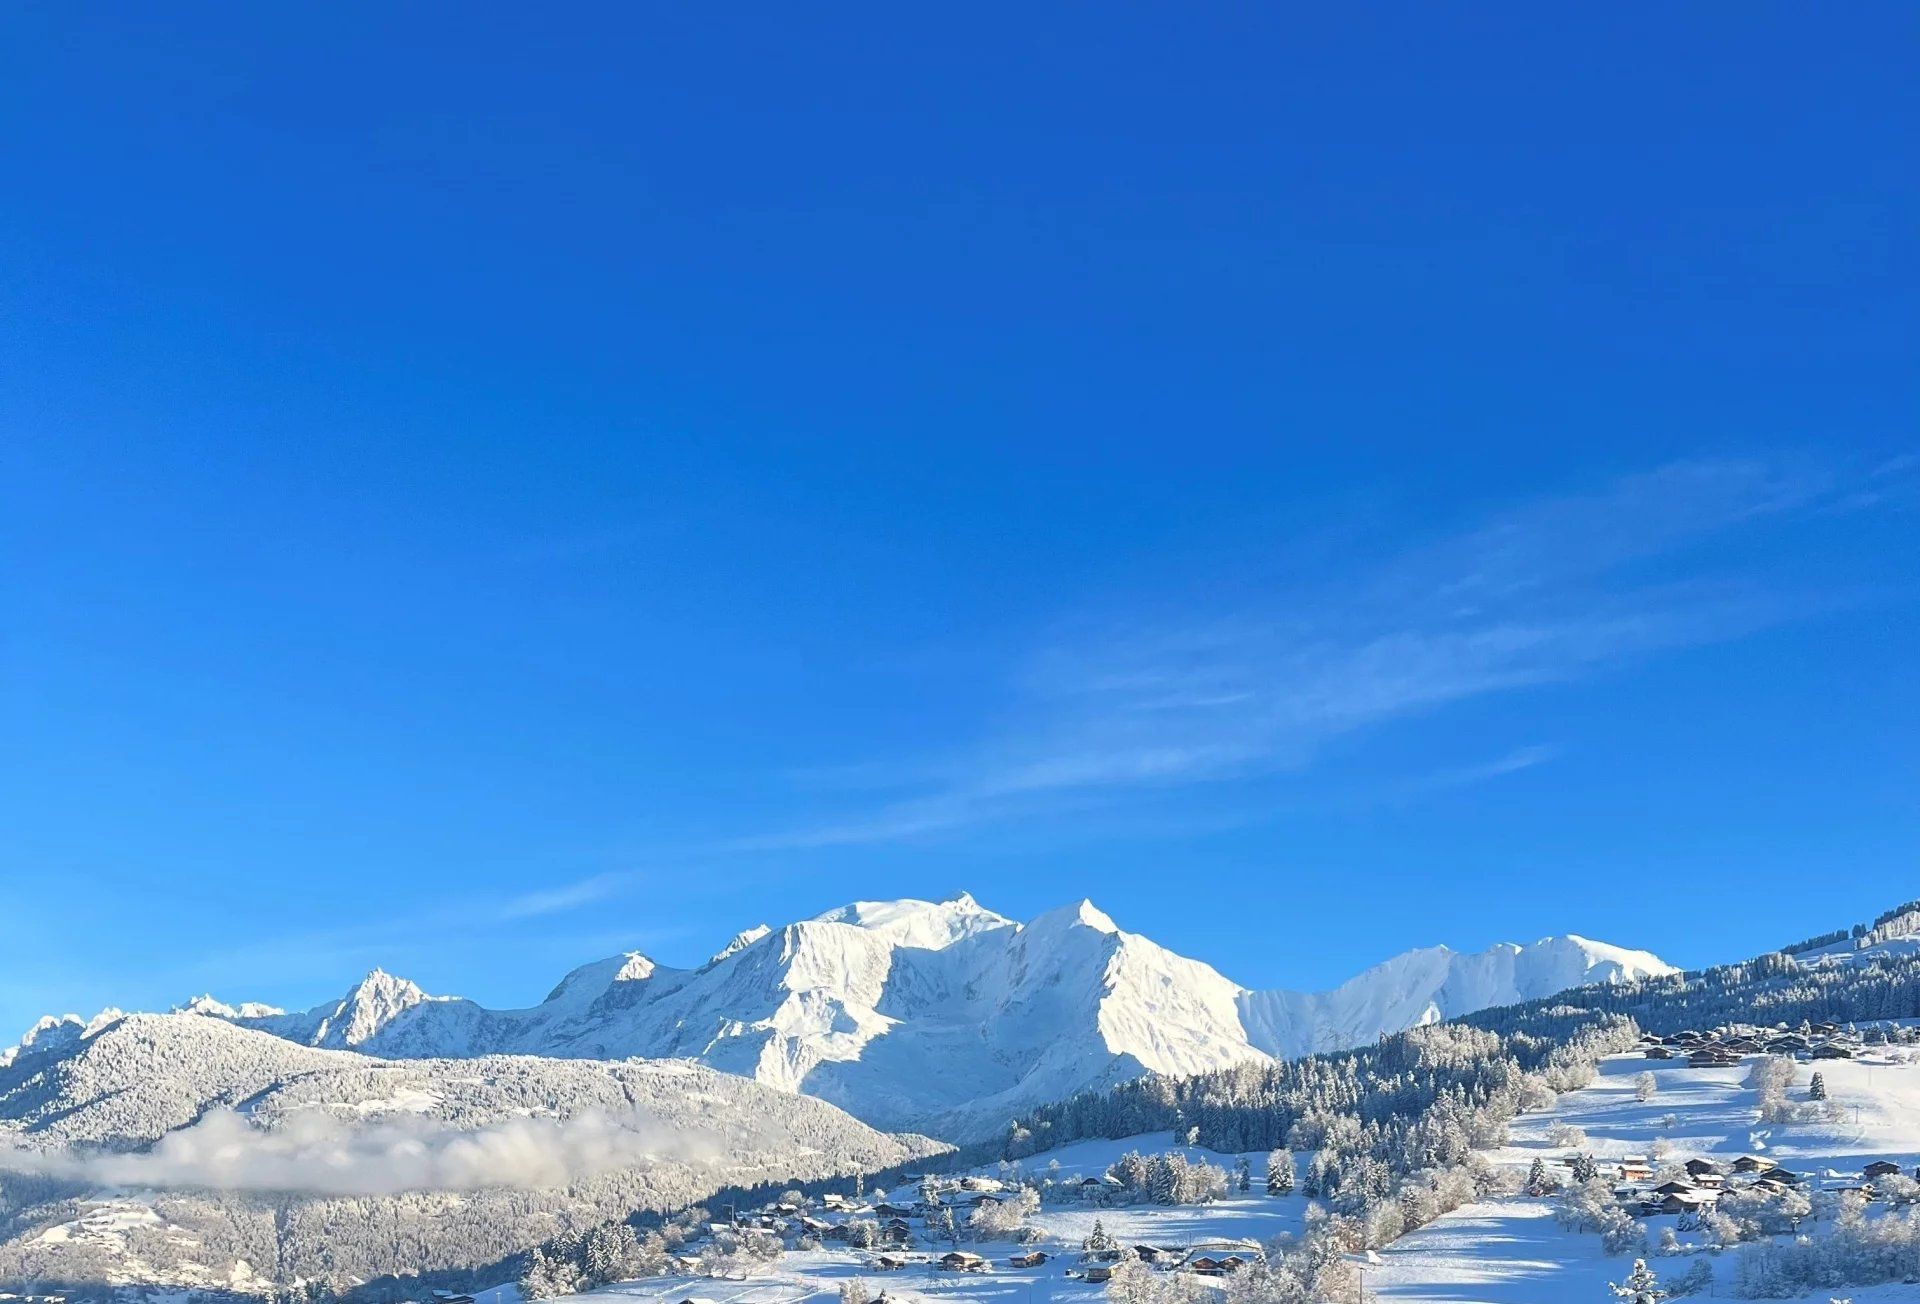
(313, 1153)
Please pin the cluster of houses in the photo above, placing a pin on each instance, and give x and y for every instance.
(1701, 1182)
(1723, 1047)
(887, 1227)
(1212, 1258)
(891, 1229)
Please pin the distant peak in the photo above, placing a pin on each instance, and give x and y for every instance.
(1094, 917)
(1085, 914)
(910, 921)
(380, 982)
(217, 1009)
(741, 941)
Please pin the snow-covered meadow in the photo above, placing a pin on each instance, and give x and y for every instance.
(1512, 1251)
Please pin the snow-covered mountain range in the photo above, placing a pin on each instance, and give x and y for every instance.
(939, 1017)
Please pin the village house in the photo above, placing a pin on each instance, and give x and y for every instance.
(962, 1261)
(1032, 1259)
(1209, 1266)
(1682, 1202)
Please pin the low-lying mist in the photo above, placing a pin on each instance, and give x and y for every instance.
(315, 1153)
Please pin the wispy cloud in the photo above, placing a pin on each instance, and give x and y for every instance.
(567, 896)
(1467, 776)
(1550, 591)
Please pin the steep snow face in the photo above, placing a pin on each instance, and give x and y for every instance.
(1430, 985)
(936, 1016)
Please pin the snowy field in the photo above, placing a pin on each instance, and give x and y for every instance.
(1512, 1251)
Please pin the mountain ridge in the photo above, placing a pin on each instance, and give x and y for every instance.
(935, 1015)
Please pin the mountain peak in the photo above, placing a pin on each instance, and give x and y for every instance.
(217, 1009)
(937, 1015)
(741, 941)
(1084, 914)
(927, 925)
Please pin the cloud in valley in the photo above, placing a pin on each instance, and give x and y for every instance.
(314, 1153)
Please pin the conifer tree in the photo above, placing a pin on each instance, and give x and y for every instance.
(1640, 1287)
(1280, 1171)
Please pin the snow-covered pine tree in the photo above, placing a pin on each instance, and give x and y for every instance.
(1280, 1171)
(1640, 1287)
(1160, 1178)
(1817, 1089)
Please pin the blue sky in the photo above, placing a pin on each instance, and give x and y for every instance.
(483, 491)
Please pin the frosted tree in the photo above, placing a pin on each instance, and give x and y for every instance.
(997, 1218)
(1163, 1176)
(943, 1226)
(1132, 1282)
(1696, 1280)
(1538, 1183)
(1640, 1287)
(853, 1291)
(1644, 1087)
(1099, 1240)
(1280, 1171)
(548, 1277)
(1817, 1089)
(1242, 1174)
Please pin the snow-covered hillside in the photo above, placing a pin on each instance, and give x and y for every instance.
(178, 1149)
(936, 1016)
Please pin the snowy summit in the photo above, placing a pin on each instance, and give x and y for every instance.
(942, 1016)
